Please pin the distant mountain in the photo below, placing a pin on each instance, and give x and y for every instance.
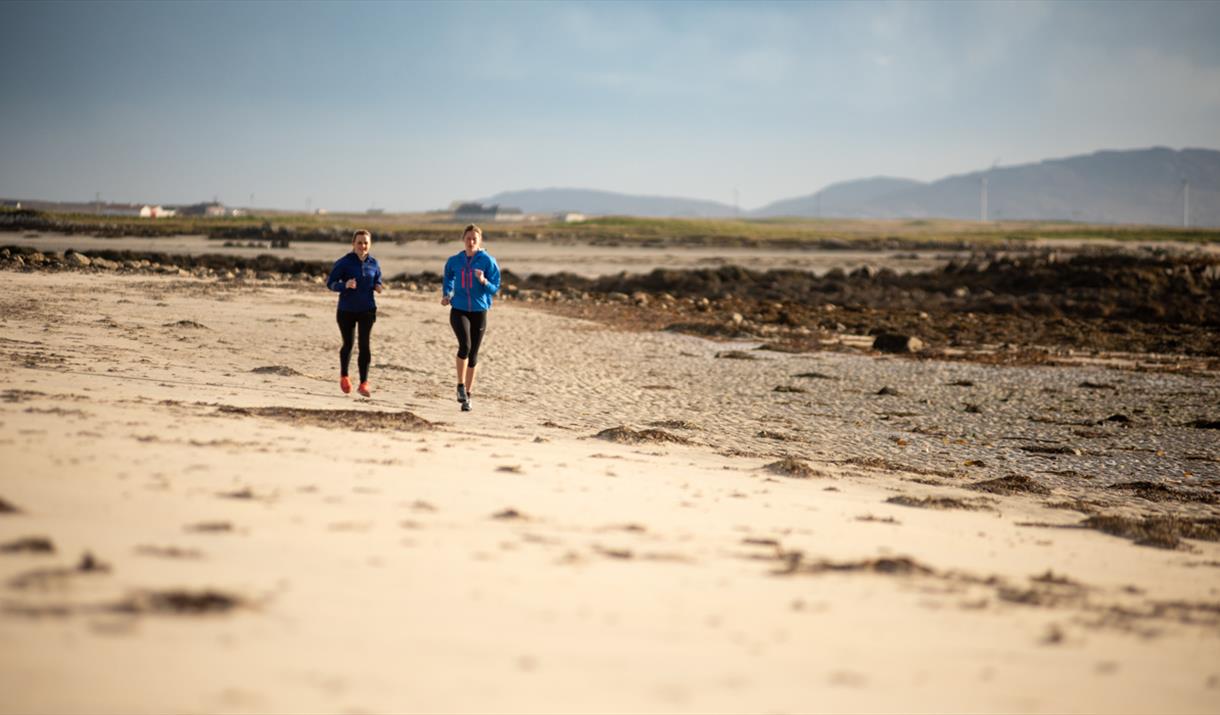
(607, 203)
(1143, 186)
(845, 199)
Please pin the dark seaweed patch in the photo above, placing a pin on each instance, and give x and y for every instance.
(28, 545)
(358, 420)
(889, 566)
(793, 468)
(179, 602)
(1011, 484)
(1160, 492)
(1163, 532)
(275, 370)
(937, 502)
(626, 435)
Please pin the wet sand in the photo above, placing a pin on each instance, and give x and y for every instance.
(193, 518)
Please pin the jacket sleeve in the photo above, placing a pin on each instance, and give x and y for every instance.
(447, 282)
(377, 278)
(335, 281)
(492, 274)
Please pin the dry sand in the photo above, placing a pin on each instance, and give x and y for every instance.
(229, 533)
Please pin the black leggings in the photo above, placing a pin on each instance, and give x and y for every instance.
(348, 320)
(468, 327)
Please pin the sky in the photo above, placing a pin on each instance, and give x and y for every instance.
(411, 106)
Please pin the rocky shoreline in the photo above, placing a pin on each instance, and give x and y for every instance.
(1002, 307)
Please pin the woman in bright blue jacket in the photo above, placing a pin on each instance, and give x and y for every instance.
(472, 277)
(356, 277)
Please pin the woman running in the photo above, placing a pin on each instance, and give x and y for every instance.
(356, 277)
(472, 277)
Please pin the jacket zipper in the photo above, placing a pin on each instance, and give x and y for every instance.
(469, 277)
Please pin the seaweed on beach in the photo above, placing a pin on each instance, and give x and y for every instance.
(1080, 505)
(20, 395)
(1164, 532)
(186, 324)
(1049, 450)
(179, 602)
(674, 424)
(28, 545)
(1162, 493)
(1011, 484)
(626, 435)
(793, 468)
(168, 552)
(933, 502)
(210, 527)
(815, 376)
(283, 370)
(357, 420)
(883, 464)
(885, 565)
(877, 519)
(46, 578)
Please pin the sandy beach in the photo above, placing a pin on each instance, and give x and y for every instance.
(193, 518)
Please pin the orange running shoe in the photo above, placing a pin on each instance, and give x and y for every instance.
(345, 384)
(364, 389)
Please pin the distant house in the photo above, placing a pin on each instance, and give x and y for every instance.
(471, 211)
(569, 217)
(148, 211)
(209, 209)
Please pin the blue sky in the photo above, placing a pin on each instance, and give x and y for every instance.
(410, 106)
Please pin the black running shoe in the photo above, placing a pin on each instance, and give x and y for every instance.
(466, 406)
(462, 393)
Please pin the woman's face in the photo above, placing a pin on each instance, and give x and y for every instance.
(472, 241)
(361, 245)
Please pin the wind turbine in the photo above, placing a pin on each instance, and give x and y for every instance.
(983, 191)
(1185, 203)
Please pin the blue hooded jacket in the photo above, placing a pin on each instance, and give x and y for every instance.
(367, 274)
(464, 290)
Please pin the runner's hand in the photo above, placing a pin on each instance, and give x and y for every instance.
(478, 274)
(351, 283)
(444, 300)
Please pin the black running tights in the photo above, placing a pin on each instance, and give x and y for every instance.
(468, 327)
(348, 320)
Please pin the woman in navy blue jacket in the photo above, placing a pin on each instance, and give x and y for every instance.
(472, 277)
(356, 277)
